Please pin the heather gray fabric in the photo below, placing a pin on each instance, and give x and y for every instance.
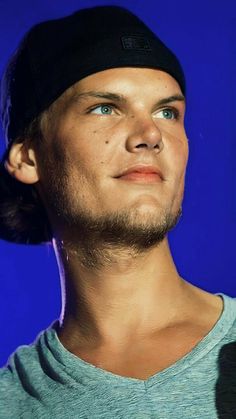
(46, 381)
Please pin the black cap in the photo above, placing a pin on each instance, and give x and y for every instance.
(56, 54)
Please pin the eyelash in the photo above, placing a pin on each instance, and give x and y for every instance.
(175, 111)
(100, 105)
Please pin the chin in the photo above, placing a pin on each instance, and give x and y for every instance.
(138, 228)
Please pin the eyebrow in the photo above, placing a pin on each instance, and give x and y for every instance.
(77, 97)
(99, 95)
(170, 99)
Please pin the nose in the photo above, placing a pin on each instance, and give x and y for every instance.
(144, 134)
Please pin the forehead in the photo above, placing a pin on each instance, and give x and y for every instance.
(127, 80)
(129, 84)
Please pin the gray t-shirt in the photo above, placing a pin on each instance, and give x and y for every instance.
(46, 381)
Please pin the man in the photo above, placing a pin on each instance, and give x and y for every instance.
(93, 109)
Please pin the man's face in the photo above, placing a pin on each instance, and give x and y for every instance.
(118, 151)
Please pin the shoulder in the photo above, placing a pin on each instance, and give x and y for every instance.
(19, 377)
(228, 317)
(227, 331)
(9, 400)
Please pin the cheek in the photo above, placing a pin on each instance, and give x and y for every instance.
(79, 150)
(181, 159)
(176, 159)
(94, 145)
(89, 146)
(177, 151)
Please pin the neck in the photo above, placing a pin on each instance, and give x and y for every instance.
(123, 294)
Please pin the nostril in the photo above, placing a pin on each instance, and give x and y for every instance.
(151, 146)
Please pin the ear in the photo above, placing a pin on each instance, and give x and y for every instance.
(21, 163)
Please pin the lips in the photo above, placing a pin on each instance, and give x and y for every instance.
(141, 173)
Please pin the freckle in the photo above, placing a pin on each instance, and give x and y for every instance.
(102, 162)
(94, 132)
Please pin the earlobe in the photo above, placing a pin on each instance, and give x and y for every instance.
(21, 164)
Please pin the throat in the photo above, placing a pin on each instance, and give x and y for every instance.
(141, 356)
(101, 256)
(142, 359)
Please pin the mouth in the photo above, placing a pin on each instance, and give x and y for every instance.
(141, 174)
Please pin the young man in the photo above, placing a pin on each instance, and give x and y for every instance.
(93, 108)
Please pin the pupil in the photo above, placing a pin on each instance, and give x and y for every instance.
(105, 109)
(168, 114)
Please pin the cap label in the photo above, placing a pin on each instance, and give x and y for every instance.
(135, 42)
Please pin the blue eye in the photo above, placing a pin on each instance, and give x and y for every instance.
(167, 114)
(102, 110)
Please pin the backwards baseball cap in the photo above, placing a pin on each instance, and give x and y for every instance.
(58, 53)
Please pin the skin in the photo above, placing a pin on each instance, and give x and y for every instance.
(130, 313)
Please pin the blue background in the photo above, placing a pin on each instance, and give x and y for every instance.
(203, 35)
